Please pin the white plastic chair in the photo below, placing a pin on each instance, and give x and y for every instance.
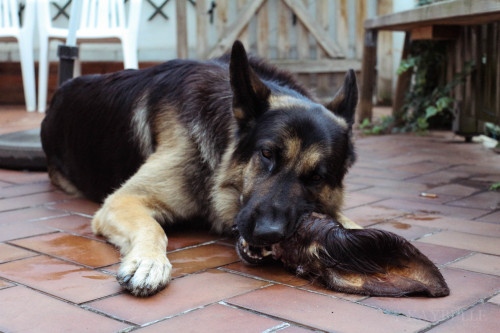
(101, 21)
(11, 30)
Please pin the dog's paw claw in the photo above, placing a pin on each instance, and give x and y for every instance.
(123, 280)
(144, 276)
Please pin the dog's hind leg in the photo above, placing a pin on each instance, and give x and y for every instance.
(57, 178)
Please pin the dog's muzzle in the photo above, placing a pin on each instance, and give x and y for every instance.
(253, 255)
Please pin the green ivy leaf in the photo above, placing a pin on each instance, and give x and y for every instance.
(443, 103)
(430, 112)
(495, 187)
(422, 123)
(366, 123)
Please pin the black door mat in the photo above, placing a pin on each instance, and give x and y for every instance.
(22, 150)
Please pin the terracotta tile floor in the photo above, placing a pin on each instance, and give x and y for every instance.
(55, 275)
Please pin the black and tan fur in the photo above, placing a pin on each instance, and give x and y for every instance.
(231, 140)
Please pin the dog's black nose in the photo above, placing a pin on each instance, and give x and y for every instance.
(269, 233)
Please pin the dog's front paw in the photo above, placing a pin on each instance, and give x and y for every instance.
(144, 276)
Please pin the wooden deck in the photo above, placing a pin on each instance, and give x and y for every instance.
(473, 28)
(460, 12)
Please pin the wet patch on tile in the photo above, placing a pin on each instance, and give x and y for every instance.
(81, 250)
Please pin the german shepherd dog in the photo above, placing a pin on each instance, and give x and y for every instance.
(231, 140)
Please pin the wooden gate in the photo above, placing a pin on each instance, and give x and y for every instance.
(319, 40)
(477, 100)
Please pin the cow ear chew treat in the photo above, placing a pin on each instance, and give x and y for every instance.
(362, 261)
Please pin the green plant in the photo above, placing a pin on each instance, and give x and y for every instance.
(428, 101)
(381, 126)
(495, 187)
(492, 130)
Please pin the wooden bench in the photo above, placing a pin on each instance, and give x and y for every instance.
(473, 28)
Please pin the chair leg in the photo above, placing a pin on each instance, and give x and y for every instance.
(43, 74)
(129, 54)
(28, 72)
(77, 69)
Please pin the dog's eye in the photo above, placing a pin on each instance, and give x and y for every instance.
(266, 153)
(316, 178)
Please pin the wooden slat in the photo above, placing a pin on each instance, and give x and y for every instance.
(182, 41)
(232, 31)
(201, 28)
(466, 89)
(244, 34)
(489, 73)
(302, 39)
(497, 94)
(283, 29)
(263, 31)
(449, 12)
(342, 24)
(318, 66)
(402, 85)
(368, 75)
(323, 79)
(322, 19)
(351, 28)
(435, 32)
(330, 47)
(222, 15)
(478, 59)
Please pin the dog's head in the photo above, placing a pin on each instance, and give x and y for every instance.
(295, 152)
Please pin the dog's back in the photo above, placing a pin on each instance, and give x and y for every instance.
(96, 136)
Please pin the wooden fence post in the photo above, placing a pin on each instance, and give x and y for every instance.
(182, 41)
(201, 29)
(368, 75)
(403, 83)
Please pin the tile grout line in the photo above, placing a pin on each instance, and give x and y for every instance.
(267, 315)
(106, 315)
(169, 317)
(277, 328)
(194, 246)
(25, 194)
(59, 258)
(459, 312)
(44, 205)
(358, 302)
(68, 302)
(431, 172)
(489, 213)
(391, 313)
(367, 204)
(460, 259)
(247, 275)
(35, 254)
(186, 311)
(124, 291)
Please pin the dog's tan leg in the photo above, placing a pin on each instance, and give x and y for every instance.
(348, 223)
(127, 222)
(129, 217)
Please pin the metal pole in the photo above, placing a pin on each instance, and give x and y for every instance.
(68, 53)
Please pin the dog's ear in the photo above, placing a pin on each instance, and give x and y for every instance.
(250, 94)
(345, 100)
